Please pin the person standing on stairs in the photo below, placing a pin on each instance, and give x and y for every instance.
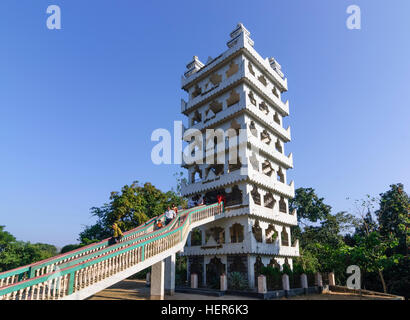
(117, 232)
(169, 215)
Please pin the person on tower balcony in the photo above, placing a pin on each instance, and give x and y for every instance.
(221, 198)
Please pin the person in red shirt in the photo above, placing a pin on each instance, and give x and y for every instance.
(221, 198)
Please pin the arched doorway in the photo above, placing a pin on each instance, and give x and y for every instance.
(214, 269)
(196, 265)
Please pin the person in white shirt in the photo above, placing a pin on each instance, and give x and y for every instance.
(169, 215)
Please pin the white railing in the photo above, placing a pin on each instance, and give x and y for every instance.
(62, 283)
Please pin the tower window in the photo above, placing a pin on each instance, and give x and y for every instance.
(233, 68)
(268, 200)
(256, 196)
(264, 108)
(284, 237)
(282, 205)
(233, 98)
(278, 146)
(236, 232)
(276, 118)
(250, 67)
(262, 80)
(265, 137)
(197, 91)
(252, 98)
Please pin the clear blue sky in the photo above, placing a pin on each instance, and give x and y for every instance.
(78, 105)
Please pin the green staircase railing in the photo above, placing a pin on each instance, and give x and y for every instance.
(49, 265)
(80, 273)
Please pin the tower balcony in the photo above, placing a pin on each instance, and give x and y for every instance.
(243, 248)
(215, 92)
(215, 183)
(284, 189)
(266, 66)
(270, 214)
(283, 133)
(224, 248)
(268, 95)
(285, 161)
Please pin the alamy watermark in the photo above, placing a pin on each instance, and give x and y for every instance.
(207, 147)
(353, 281)
(354, 20)
(54, 20)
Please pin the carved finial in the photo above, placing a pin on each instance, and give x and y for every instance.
(193, 66)
(276, 66)
(235, 34)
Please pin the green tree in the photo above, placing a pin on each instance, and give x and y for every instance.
(129, 208)
(14, 254)
(370, 254)
(394, 218)
(308, 205)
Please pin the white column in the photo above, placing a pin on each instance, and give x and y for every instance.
(303, 281)
(204, 273)
(188, 269)
(285, 282)
(203, 239)
(170, 275)
(332, 279)
(251, 272)
(227, 235)
(194, 280)
(262, 284)
(148, 278)
(318, 279)
(224, 282)
(157, 281)
(188, 241)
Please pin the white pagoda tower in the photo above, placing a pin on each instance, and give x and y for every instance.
(241, 91)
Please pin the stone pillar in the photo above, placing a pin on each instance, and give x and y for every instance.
(157, 281)
(170, 275)
(188, 269)
(148, 279)
(332, 281)
(204, 273)
(224, 282)
(227, 234)
(304, 282)
(194, 281)
(262, 284)
(318, 279)
(285, 284)
(251, 272)
(203, 239)
(319, 282)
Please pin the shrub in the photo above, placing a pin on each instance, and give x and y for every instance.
(237, 281)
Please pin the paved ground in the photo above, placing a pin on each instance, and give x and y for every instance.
(136, 290)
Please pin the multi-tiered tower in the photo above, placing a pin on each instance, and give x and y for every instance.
(241, 91)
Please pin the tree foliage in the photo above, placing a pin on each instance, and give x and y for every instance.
(375, 238)
(129, 208)
(393, 215)
(14, 254)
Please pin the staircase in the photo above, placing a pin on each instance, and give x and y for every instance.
(79, 274)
